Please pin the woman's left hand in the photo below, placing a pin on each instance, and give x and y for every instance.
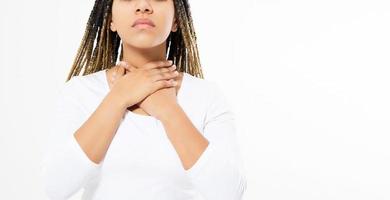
(159, 102)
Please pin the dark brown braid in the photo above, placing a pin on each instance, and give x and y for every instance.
(181, 45)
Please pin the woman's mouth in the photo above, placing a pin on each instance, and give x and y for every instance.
(143, 23)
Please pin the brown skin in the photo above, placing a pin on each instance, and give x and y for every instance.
(141, 83)
(121, 69)
(141, 46)
(146, 85)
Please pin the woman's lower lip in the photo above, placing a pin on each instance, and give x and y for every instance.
(141, 26)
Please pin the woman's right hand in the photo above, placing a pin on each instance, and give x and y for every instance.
(136, 85)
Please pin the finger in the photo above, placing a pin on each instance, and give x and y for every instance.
(165, 75)
(158, 64)
(131, 68)
(117, 71)
(172, 68)
(127, 66)
(121, 70)
(122, 64)
(164, 84)
(114, 74)
(163, 70)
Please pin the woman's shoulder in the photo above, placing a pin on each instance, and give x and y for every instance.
(207, 96)
(82, 79)
(205, 86)
(206, 91)
(92, 82)
(86, 90)
(196, 83)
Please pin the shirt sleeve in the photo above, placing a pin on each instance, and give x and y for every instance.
(66, 168)
(219, 173)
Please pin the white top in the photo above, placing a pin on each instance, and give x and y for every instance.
(141, 163)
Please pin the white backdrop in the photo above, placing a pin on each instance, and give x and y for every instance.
(308, 81)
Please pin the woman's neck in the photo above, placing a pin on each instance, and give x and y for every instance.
(138, 57)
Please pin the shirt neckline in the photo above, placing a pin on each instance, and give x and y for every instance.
(145, 118)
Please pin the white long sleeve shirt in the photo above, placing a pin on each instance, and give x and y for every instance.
(141, 163)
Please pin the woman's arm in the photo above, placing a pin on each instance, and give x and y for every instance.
(96, 134)
(212, 161)
(77, 142)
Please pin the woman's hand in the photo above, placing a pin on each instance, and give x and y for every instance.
(135, 86)
(160, 102)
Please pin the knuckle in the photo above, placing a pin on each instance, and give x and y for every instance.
(158, 64)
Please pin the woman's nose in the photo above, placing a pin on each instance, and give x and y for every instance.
(143, 6)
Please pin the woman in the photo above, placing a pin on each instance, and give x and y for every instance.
(150, 127)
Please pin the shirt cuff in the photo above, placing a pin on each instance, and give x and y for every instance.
(82, 158)
(202, 161)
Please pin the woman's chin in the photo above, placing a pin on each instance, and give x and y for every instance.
(143, 44)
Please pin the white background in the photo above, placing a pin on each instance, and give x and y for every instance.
(308, 80)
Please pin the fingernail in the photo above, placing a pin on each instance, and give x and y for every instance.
(122, 63)
(170, 62)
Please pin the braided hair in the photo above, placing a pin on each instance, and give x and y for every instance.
(99, 47)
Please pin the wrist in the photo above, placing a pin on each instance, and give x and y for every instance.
(116, 101)
(171, 114)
